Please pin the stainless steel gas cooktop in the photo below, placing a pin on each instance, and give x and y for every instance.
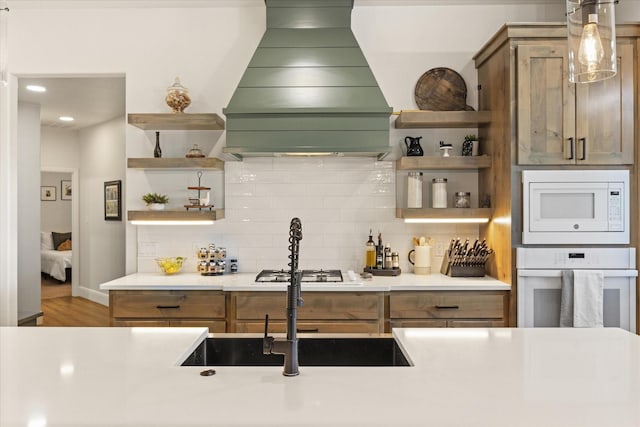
(307, 276)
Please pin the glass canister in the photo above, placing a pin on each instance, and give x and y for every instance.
(414, 190)
(439, 193)
(462, 199)
(177, 97)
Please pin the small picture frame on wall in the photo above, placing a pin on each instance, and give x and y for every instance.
(47, 193)
(65, 190)
(113, 201)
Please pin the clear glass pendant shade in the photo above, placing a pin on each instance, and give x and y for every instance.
(592, 40)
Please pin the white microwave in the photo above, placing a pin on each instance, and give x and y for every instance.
(575, 207)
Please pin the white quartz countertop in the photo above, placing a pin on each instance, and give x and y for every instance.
(246, 282)
(461, 377)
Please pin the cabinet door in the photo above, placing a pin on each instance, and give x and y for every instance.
(217, 326)
(545, 105)
(135, 323)
(476, 324)
(604, 116)
(354, 327)
(435, 323)
(446, 305)
(166, 304)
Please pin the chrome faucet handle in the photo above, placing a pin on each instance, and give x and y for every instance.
(267, 341)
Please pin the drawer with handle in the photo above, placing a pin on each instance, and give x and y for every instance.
(167, 304)
(446, 305)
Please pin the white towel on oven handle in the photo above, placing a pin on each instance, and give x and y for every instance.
(588, 300)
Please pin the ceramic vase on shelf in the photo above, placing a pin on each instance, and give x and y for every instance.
(156, 206)
(157, 152)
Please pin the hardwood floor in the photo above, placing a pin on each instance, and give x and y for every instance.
(73, 311)
(61, 309)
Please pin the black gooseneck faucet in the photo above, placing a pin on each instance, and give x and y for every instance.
(288, 347)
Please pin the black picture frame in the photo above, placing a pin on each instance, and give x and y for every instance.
(113, 200)
(65, 189)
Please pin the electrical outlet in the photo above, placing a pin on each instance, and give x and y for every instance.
(439, 249)
(148, 249)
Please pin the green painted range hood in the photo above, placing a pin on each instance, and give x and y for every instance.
(308, 89)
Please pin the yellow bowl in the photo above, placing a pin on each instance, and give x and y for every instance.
(170, 265)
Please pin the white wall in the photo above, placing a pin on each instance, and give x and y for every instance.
(59, 148)
(8, 205)
(28, 208)
(55, 215)
(102, 159)
(209, 52)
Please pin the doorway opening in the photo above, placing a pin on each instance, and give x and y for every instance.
(82, 117)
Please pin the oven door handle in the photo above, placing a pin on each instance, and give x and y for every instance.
(558, 273)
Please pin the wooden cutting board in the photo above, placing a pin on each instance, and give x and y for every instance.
(441, 89)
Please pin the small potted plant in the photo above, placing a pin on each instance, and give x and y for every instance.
(470, 145)
(155, 201)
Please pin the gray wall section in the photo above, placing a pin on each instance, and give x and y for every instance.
(102, 242)
(55, 215)
(28, 213)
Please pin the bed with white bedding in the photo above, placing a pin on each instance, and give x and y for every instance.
(55, 263)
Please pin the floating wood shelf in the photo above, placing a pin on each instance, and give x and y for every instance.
(416, 119)
(176, 121)
(446, 213)
(182, 215)
(453, 162)
(176, 163)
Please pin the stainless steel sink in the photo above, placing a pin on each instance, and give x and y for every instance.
(334, 351)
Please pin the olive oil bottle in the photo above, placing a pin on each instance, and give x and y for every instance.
(370, 259)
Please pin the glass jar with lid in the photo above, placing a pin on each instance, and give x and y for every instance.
(414, 190)
(439, 193)
(178, 97)
(462, 199)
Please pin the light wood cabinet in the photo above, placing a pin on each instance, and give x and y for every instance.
(522, 80)
(323, 312)
(561, 123)
(439, 309)
(168, 308)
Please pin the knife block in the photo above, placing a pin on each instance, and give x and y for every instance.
(460, 270)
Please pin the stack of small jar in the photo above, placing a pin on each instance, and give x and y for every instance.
(212, 261)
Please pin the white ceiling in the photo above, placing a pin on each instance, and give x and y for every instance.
(90, 100)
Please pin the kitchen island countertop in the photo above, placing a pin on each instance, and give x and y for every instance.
(462, 377)
(246, 282)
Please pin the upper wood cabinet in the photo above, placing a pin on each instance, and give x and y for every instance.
(561, 123)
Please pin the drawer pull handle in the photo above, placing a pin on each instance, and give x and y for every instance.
(302, 331)
(168, 306)
(447, 307)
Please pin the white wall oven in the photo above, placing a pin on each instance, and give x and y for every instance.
(540, 283)
(575, 207)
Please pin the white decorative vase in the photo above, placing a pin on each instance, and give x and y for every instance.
(156, 206)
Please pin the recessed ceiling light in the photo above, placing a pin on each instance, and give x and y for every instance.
(36, 88)
(66, 119)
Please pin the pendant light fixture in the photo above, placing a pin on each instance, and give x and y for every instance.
(592, 40)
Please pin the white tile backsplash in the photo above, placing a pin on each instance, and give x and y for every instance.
(337, 199)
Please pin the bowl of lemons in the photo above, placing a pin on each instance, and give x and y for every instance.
(171, 265)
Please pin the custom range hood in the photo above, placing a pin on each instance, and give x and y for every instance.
(308, 89)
